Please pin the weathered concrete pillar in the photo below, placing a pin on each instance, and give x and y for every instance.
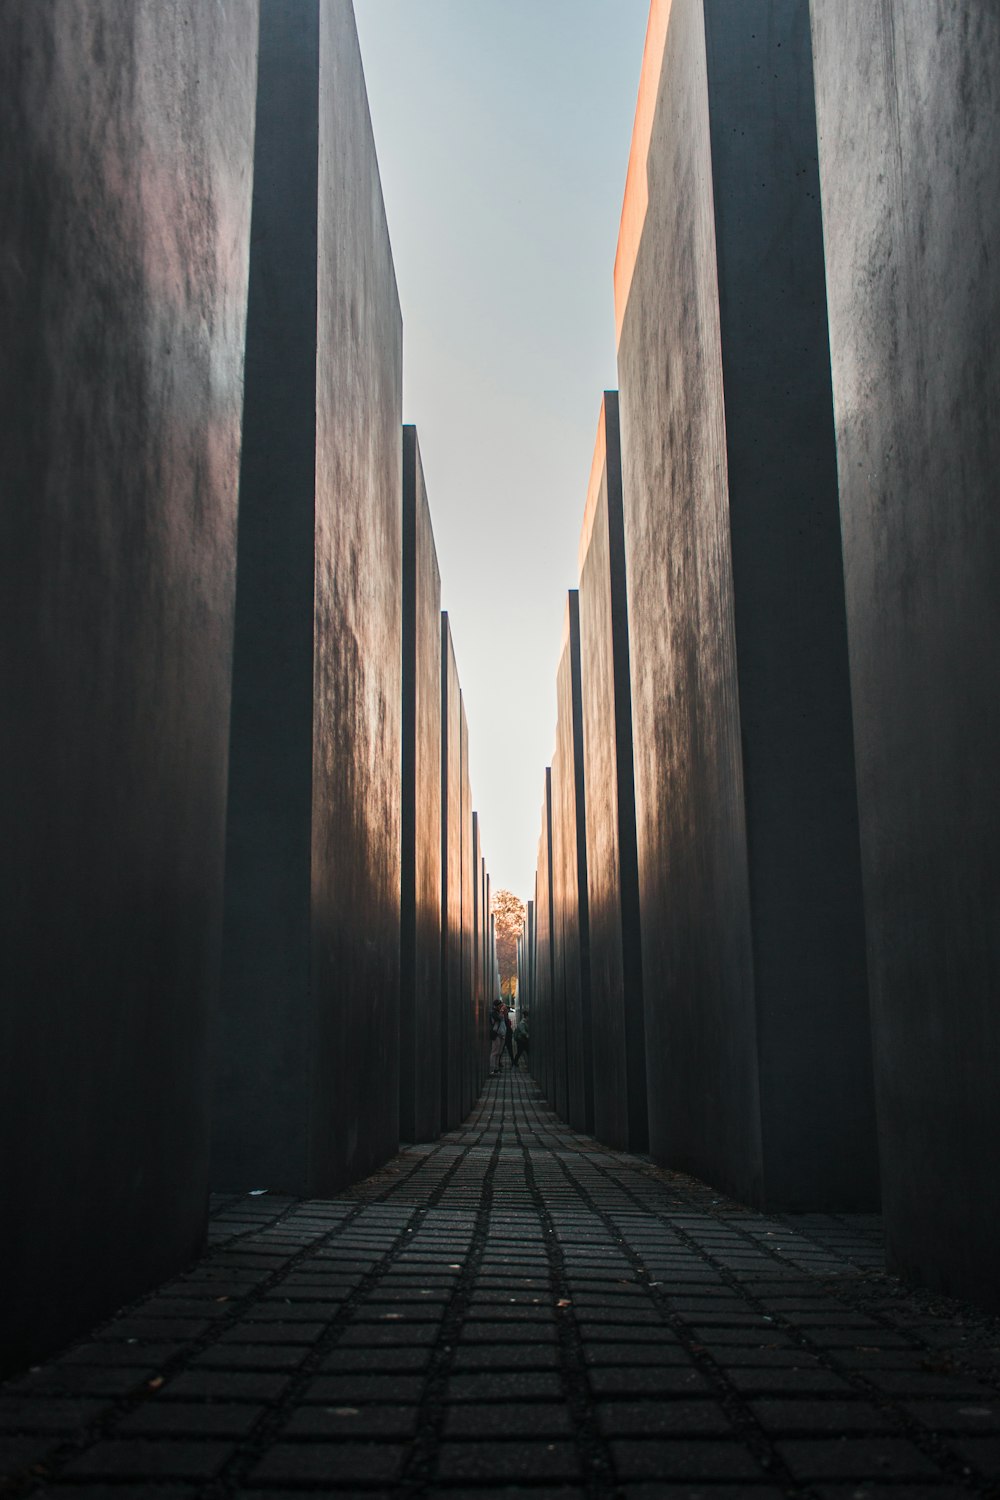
(307, 1084)
(548, 1039)
(451, 879)
(908, 102)
(126, 149)
(575, 1098)
(420, 1041)
(758, 1044)
(619, 1066)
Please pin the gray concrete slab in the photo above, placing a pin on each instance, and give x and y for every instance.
(466, 1014)
(451, 879)
(620, 1111)
(306, 1093)
(909, 150)
(571, 932)
(420, 1040)
(126, 144)
(758, 1043)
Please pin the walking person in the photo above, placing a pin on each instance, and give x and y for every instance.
(508, 1040)
(498, 1031)
(521, 1038)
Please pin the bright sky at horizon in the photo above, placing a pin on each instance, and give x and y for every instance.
(503, 130)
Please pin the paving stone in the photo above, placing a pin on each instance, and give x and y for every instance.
(251, 1356)
(18, 1452)
(52, 1415)
(331, 1463)
(138, 1459)
(363, 1360)
(982, 1453)
(225, 1385)
(821, 1415)
(671, 1418)
(496, 1461)
(855, 1458)
(162, 1418)
(505, 1386)
(520, 1420)
(345, 1390)
(346, 1421)
(684, 1459)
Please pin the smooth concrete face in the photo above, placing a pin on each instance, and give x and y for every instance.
(574, 1097)
(451, 880)
(908, 104)
(307, 1044)
(126, 144)
(420, 1005)
(752, 924)
(619, 1054)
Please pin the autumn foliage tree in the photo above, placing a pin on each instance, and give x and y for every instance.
(508, 914)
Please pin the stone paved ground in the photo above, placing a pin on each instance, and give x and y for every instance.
(515, 1310)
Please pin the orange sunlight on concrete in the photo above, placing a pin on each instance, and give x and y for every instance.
(636, 193)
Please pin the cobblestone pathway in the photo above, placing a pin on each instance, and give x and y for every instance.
(517, 1310)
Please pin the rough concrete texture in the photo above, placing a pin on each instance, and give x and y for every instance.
(420, 925)
(126, 144)
(451, 879)
(574, 1098)
(908, 101)
(307, 1045)
(758, 1041)
(620, 1113)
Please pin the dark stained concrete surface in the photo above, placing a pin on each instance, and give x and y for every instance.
(758, 1042)
(126, 143)
(420, 1037)
(515, 1310)
(306, 1049)
(909, 146)
(619, 1054)
(451, 880)
(575, 1100)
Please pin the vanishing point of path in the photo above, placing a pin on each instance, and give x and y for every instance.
(516, 1309)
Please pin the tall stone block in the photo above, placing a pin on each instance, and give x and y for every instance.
(477, 962)
(307, 1084)
(464, 1018)
(420, 1009)
(908, 102)
(126, 146)
(575, 1097)
(758, 1045)
(619, 1066)
(451, 880)
(545, 1037)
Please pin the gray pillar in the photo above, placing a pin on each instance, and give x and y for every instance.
(123, 276)
(420, 1008)
(758, 1043)
(619, 1059)
(310, 997)
(451, 879)
(908, 101)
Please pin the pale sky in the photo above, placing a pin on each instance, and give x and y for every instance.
(503, 130)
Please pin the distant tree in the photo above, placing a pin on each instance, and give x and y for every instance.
(508, 914)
